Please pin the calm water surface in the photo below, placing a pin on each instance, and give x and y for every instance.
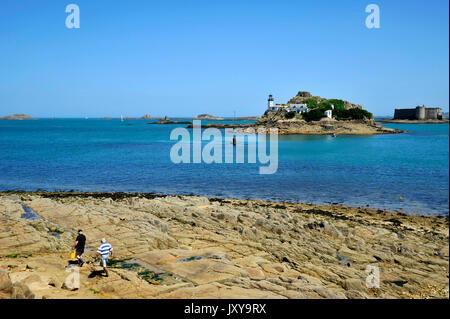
(407, 172)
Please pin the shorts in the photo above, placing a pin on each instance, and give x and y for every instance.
(104, 259)
(79, 251)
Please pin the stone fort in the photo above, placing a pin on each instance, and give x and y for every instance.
(419, 113)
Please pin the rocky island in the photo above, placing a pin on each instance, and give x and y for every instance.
(167, 121)
(305, 114)
(208, 117)
(197, 247)
(18, 117)
(146, 117)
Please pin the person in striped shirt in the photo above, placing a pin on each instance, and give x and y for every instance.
(105, 250)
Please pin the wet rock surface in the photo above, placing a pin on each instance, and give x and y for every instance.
(198, 247)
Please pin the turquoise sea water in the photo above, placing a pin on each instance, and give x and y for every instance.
(407, 172)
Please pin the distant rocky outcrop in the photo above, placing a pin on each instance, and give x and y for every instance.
(304, 94)
(17, 117)
(208, 117)
(164, 121)
(146, 117)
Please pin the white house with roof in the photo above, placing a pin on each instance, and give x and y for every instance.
(329, 113)
(298, 108)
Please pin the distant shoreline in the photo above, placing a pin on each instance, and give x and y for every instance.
(446, 121)
(24, 117)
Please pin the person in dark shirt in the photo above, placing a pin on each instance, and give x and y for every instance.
(80, 242)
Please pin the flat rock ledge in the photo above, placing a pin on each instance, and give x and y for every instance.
(301, 127)
(199, 247)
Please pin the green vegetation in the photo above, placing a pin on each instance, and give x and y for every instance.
(12, 256)
(311, 103)
(338, 104)
(314, 115)
(290, 115)
(142, 272)
(340, 113)
(150, 277)
(94, 291)
(146, 274)
(122, 264)
(353, 114)
(318, 106)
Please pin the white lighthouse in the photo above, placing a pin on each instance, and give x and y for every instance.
(270, 102)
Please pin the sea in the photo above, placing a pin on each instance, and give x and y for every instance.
(406, 172)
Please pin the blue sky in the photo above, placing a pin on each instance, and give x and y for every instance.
(182, 58)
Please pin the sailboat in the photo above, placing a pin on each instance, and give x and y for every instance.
(121, 118)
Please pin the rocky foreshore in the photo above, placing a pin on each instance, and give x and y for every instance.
(169, 246)
(327, 126)
(301, 127)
